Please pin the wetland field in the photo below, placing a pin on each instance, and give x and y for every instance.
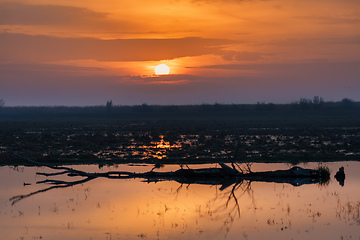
(38, 202)
(180, 134)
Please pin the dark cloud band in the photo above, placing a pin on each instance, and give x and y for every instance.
(23, 48)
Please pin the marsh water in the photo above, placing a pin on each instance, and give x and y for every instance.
(132, 209)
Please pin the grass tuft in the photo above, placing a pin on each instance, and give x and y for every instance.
(324, 173)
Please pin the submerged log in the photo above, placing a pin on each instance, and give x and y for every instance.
(219, 176)
(224, 176)
(211, 174)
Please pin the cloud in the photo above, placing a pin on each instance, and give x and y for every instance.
(61, 18)
(163, 79)
(332, 20)
(12, 13)
(229, 66)
(345, 40)
(321, 72)
(50, 68)
(26, 48)
(241, 56)
(229, 1)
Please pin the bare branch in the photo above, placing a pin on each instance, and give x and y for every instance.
(225, 176)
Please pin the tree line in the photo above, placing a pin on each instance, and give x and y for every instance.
(316, 103)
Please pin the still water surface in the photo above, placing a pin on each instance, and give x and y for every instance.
(132, 209)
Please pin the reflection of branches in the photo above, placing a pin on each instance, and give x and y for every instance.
(64, 184)
(227, 203)
(59, 184)
(178, 190)
(245, 187)
(232, 196)
(230, 206)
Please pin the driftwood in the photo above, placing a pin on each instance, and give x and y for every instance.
(224, 176)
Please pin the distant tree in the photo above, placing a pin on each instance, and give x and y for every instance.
(347, 103)
(305, 103)
(318, 100)
(2, 102)
(145, 108)
(109, 106)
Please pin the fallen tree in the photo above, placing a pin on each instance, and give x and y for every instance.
(224, 176)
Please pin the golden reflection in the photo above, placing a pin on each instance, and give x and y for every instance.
(158, 149)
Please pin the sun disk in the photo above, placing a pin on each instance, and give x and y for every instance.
(162, 69)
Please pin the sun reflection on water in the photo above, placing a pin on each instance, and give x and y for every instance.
(158, 149)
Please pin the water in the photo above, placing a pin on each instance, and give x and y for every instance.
(132, 209)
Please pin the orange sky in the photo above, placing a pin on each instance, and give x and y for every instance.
(238, 51)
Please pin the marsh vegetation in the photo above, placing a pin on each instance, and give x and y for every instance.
(179, 134)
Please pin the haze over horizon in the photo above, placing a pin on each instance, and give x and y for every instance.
(80, 53)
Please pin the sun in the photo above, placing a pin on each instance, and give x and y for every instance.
(162, 69)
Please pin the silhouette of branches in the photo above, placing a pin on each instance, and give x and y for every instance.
(225, 176)
(58, 184)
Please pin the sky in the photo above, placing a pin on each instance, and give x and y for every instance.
(86, 52)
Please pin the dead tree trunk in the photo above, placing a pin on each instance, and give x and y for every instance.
(225, 176)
